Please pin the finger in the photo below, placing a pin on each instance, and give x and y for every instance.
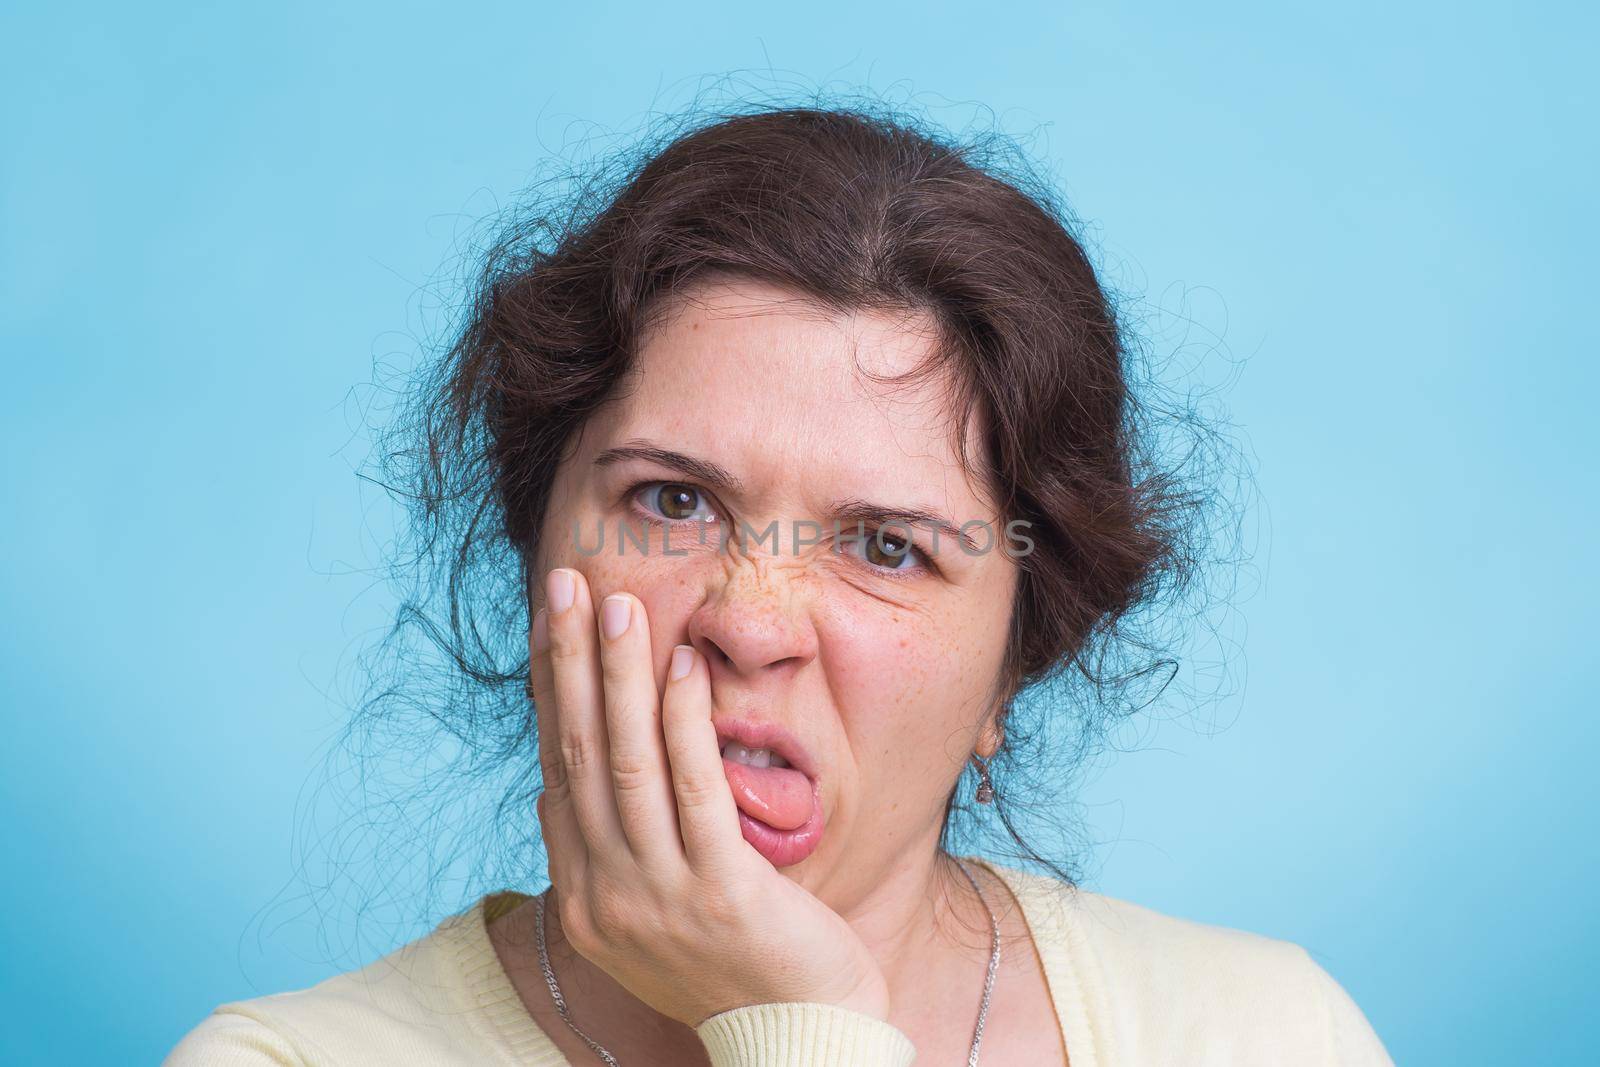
(640, 776)
(708, 819)
(566, 855)
(581, 728)
(565, 851)
(541, 689)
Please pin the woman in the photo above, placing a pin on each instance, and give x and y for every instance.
(811, 447)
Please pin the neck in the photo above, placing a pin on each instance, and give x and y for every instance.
(905, 902)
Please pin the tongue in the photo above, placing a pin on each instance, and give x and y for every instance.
(778, 796)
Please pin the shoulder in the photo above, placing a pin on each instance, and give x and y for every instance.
(1156, 984)
(413, 1005)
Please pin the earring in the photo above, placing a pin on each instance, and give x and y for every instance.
(985, 792)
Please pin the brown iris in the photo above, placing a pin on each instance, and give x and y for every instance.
(676, 501)
(885, 549)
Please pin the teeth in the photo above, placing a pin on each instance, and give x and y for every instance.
(753, 757)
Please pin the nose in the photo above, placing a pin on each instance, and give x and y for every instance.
(755, 624)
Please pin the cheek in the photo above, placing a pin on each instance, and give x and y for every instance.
(668, 590)
(907, 692)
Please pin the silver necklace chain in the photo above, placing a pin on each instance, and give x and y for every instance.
(977, 1031)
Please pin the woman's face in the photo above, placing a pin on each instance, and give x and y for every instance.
(879, 663)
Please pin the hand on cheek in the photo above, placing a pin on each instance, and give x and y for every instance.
(652, 877)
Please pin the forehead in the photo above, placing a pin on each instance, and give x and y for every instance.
(772, 385)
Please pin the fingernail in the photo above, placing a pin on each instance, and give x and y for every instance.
(541, 630)
(560, 590)
(614, 613)
(682, 660)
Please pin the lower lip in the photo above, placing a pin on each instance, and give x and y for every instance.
(784, 848)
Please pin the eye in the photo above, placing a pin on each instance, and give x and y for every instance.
(673, 501)
(890, 550)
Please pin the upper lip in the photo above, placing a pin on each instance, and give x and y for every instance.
(768, 735)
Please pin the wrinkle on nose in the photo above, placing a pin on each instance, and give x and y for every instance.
(756, 620)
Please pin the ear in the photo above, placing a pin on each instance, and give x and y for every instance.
(991, 738)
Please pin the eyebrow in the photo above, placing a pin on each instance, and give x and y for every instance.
(864, 511)
(701, 470)
(720, 478)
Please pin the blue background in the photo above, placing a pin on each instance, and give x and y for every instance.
(216, 219)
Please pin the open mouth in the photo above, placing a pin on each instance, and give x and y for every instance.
(775, 789)
(773, 792)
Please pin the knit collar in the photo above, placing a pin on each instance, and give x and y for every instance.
(489, 989)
